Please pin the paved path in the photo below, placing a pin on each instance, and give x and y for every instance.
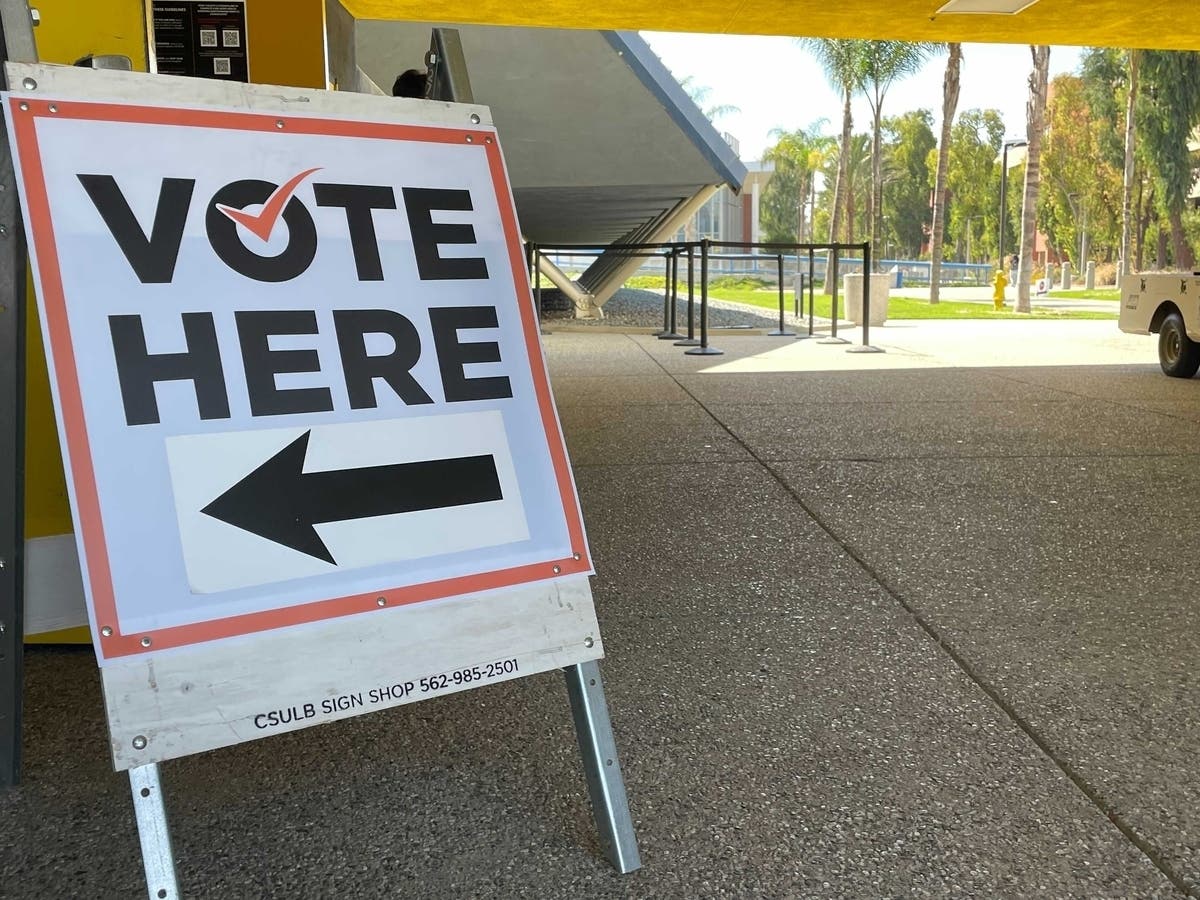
(912, 624)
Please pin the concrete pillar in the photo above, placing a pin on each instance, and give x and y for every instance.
(1089, 280)
(669, 225)
(754, 212)
(1066, 276)
(585, 308)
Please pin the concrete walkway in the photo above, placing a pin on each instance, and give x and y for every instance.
(911, 624)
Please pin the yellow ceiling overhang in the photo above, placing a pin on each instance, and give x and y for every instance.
(1165, 25)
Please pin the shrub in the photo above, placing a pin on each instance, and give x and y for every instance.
(1106, 273)
(741, 282)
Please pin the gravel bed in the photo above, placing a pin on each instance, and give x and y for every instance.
(634, 308)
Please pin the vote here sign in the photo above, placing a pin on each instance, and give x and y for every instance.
(296, 366)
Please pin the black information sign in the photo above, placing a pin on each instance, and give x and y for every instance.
(206, 40)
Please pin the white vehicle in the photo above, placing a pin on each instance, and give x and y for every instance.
(1166, 304)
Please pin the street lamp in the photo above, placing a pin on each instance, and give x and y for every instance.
(970, 219)
(1004, 195)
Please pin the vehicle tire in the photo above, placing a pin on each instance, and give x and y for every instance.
(1178, 354)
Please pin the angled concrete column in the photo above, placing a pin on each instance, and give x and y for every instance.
(585, 304)
(667, 226)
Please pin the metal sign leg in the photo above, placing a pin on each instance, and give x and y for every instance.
(605, 785)
(155, 836)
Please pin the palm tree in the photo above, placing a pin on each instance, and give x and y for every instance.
(1127, 179)
(880, 64)
(699, 95)
(802, 152)
(858, 183)
(949, 105)
(841, 60)
(1035, 118)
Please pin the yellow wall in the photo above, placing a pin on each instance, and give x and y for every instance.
(72, 29)
(286, 42)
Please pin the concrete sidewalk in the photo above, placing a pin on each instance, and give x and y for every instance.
(911, 624)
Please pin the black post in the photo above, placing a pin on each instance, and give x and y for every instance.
(812, 277)
(12, 462)
(798, 295)
(690, 340)
(666, 329)
(674, 267)
(704, 349)
(782, 330)
(866, 306)
(670, 295)
(834, 258)
(833, 330)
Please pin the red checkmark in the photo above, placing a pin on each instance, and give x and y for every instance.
(262, 223)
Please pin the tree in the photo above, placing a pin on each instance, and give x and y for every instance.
(908, 142)
(880, 63)
(841, 61)
(949, 105)
(699, 95)
(1035, 118)
(1168, 112)
(798, 155)
(1079, 180)
(858, 186)
(1127, 180)
(973, 177)
(1104, 76)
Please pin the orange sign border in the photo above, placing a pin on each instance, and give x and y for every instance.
(112, 641)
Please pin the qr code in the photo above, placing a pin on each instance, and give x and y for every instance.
(231, 37)
(208, 37)
(221, 65)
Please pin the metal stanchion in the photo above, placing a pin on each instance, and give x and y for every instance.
(866, 347)
(704, 349)
(798, 295)
(781, 331)
(833, 338)
(812, 276)
(670, 296)
(666, 329)
(690, 340)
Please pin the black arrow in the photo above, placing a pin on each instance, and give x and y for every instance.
(281, 502)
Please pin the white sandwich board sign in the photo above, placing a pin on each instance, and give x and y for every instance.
(313, 457)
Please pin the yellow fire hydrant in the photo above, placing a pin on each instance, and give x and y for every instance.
(999, 283)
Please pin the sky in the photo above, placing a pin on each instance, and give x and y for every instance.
(775, 83)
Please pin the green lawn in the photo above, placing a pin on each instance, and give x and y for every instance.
(1094, 294)
(905, 307)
